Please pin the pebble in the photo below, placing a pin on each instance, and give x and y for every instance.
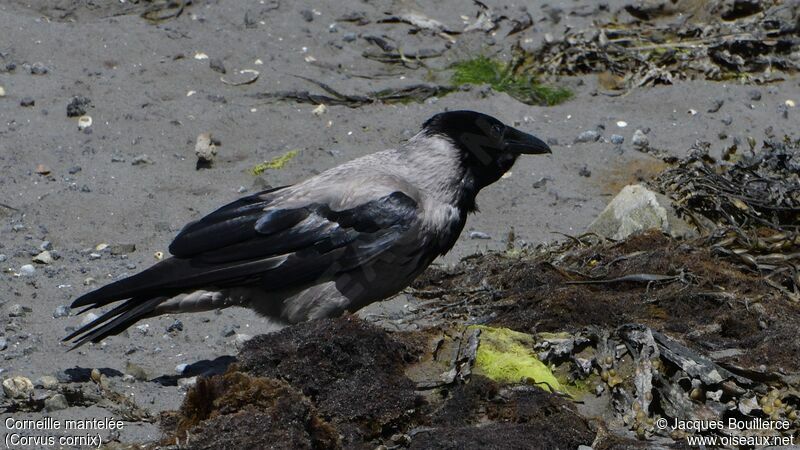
(640, 139)
(88, 318)
(186, 383)
(307, 15)
(17, 387)
(84, 122)
(3, 258)
(27, 101)
(57, 402)
(136, 371)
(77, 106)
(48, 382)
(94, 256)
(17, 310)
(39, 69)
(585, 172)
(144, 328)
(754, 95)
(141, 159)
(228, 331)
(3, 343)
(205, 148)
(479, 235)
(217, 65)
(349, 37)
(2, 91)
(61, 311)
(588, 136)
(790, 103)
(27, 270)
(122, 249)
(617, 139)
(43, 258)
(74, 169)
(46, 245)
(622, 124)
(180, 368)
(175, 326)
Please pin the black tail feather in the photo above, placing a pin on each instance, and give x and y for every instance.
(123, 316)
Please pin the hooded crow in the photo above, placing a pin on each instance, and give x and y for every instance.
(352, 235)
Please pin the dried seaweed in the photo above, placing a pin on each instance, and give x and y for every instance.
(644, 53)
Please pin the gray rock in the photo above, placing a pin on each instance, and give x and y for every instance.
(617, 139)
(585, 172)
(307, 15)
(587, 136)
(27, 102)
(43, 258)
(39, 69)
(61, 311)
(48, 382)
(136, 371)
(636, 209)
(349, 37)
(640, 139)
(57, 402)
(3, 343)
(17, 387)
(3, 258)
(180, 368)
(74, 169)
(228, 331)
(175, 327)
(217, 65)
(46, 245)
(141, 160)
(88, 318)
(754, 95)
(17, 310)
(143, 328)
(77, 106)
(93, 256)
(479, 235)
(122, 249)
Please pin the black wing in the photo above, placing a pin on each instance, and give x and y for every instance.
(253, 241)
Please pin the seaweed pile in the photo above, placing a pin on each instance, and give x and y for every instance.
(748, 44)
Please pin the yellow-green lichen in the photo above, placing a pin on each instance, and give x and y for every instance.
(274, 163)
(507, 356)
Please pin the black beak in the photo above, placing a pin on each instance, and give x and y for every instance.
(523, 143)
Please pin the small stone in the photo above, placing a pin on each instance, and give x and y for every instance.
(205, 149)
(141, 159)
(3, 258)
(320, 110)
(61, 311)
(754, 95)
(77, 106)
(640, 139)
(175, 326)
(27, 102)
(588, 136)
(617, 139)
(48, 382)
(39, 69)
(88, 281)
(89, 318)
(217, 65)
(27, 270)
(585, 172)
(122, 248)
(2, 91)
(17, 387)
(74, 169)
(136, 371)
(42, 169)
(57, 402)
(349, 37)
(307, 15)
(93, 256)
(790, 103)
(17, 310)
(180, 368)
(3, 343)
(43, 258)
(46, 245)
(186, 383)
(144, 329)
(228, 331)
(479, 235)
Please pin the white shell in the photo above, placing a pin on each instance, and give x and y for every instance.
(84, 122)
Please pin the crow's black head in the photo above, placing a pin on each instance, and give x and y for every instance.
(488, 147)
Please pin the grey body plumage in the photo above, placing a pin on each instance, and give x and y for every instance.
(352, 235)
